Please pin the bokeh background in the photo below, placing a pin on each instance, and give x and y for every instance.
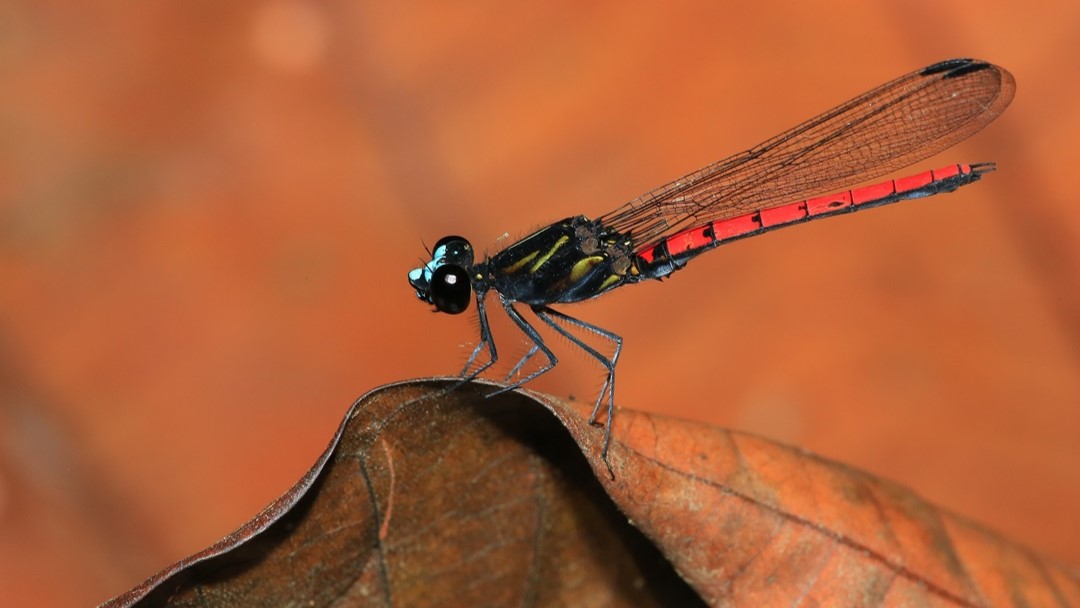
(207, 211)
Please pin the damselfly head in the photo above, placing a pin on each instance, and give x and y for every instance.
(444, 281)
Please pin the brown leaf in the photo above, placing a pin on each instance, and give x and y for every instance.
(432, 498)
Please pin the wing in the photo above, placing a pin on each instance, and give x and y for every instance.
(893, 126)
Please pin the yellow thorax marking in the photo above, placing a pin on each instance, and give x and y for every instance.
(547, 256)
(583, 266)
(518, 265)
(608, 282)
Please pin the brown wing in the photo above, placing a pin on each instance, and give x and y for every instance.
(878, 132)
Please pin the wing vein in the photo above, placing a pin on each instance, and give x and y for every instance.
(890, 127)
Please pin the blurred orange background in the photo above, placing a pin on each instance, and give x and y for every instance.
(207, 212)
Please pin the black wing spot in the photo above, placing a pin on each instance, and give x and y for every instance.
(944, 66)
(967, 69)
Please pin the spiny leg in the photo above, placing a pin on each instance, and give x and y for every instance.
(521, 363)
(538, 343)
(485, 338)
(476, 351)
(545, 314)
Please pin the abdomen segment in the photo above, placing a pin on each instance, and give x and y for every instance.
(672, 253)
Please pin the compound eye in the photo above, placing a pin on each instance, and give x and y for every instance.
(450, 289)
(454, 250)
(448, 239)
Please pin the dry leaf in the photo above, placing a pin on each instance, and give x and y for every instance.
(434, 498)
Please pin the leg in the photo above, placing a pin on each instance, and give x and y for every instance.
(545, 314)
(538, 344)
(521, 363)
(485, 339)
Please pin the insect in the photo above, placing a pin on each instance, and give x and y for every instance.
(774, 184)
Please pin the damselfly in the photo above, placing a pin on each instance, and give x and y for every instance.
(772, 185)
